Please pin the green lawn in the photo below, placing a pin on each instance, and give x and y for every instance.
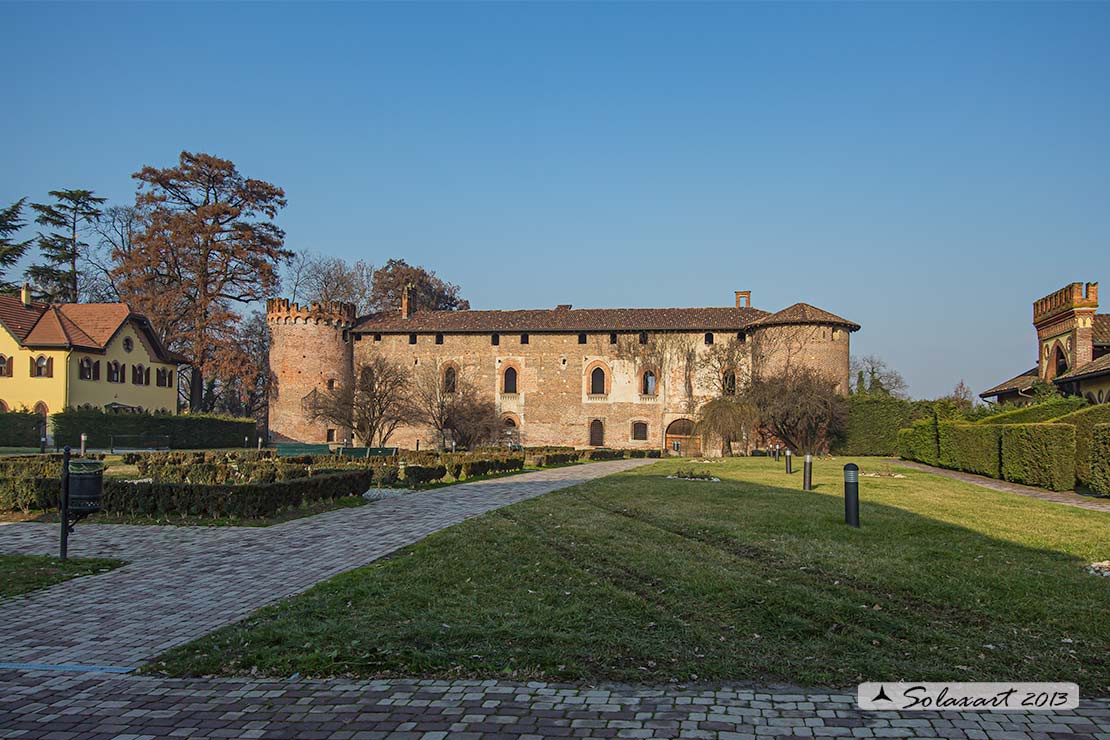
(638, 578)
(22, 573)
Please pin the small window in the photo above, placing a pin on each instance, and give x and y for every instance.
(495, 339)
(647, 384)
(508, 381)
(741, 337)
(524, 339)
(582, 338)
(42, 367)
(612, 337)
(7, 364)
(597, 382)
(346, 335)
(128, 344)
(84, 369)
(709, 337)
(639, 431)
(439, 339)
(377, 337)
(643, 337)
(412, 339)
(331, 384)
(450, 380)
(331, 435)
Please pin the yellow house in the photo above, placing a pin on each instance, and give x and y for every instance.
(82, 354)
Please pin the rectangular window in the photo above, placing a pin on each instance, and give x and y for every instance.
(412, 339)
(582, 338)
(377, 337)
(639, 431)
(439, 339)
(331, 435)
(612, 337)
(524, 339)
(495, 339)
(643, 337)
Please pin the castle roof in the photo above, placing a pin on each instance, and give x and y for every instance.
(1102, 328)
(1101, 366)
(83, 326)
(803, 313)
(1022, 382)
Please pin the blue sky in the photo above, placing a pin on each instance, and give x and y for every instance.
(925, 170)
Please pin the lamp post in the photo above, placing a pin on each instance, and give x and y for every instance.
(789, 462)
(851, 495)
(807, 473)
(64, 505)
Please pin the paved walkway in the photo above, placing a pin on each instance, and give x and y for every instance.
(49, 705)
(184, 582)
(1067, 498)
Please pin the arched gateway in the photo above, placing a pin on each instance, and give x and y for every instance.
(681, 439)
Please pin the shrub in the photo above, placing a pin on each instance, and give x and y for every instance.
(972, 448)
(920, 441)
(1100, 458)
(604, 454)
(1037, 412)
(873, 424)
(185, 431)
(552, 458)
(1039, 455)
(417, 475)
(19, 429)
(1084, 422)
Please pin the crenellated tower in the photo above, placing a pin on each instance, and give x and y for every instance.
(310, 351)
(1065, 329)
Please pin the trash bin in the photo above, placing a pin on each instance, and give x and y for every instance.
(86, 484)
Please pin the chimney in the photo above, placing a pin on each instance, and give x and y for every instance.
(563, 307)
(746, 296)
(405, 302)
(25, 295)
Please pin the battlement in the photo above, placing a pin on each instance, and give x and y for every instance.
(281, 311)
(1068, 298)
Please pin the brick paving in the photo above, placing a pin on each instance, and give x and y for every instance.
(1067, 498)
(183, 582)
(50, 705)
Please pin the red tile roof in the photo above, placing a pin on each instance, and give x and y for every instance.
(1101, 366)
(803, 313)
(1021, 382)
(18, 318)
(1102, 328)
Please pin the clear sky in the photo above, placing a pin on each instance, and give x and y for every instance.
(924, 170)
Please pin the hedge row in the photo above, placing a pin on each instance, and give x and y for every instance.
(1084, 422)
(1039, 455)
(1036, 413)
(873, 423)
(1100, 459)
(19, 429)
(920, 442)
(185, 431)
(973, 448)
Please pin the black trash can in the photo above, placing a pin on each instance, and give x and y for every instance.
(86, 484)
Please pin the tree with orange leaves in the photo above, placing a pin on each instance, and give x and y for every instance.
(208, 246)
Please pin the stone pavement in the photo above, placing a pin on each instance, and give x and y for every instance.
(51, 705)
(183, 582)
(1067, 498)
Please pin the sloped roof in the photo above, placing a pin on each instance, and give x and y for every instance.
(564, 319)
(803, 313)
(55, 329)
(1101, 366)
(1102, 328)
(100, 320)
(1021, 382)
(18, 318)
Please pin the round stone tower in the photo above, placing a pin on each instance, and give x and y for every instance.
(310, 351)
(803, 336)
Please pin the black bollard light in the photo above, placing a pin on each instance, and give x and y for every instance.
(789, 462)
(64, 504)
(807, 473)
(851, 495)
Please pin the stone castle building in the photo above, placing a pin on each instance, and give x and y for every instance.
(1073, 348)
(625, 378)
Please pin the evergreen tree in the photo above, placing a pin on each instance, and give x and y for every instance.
(861, 384)
(56, 278)
(10, 251)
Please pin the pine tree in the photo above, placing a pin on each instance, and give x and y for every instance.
(861, 384)
(10, 251)
(56, 279)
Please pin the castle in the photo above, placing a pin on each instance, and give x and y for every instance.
(627, 378)
(1073, 348)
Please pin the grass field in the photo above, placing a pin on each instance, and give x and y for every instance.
(22, 573)
(638, 578)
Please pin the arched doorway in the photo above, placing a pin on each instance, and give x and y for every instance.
(681, 439)
(1060, 362)
(597, 433)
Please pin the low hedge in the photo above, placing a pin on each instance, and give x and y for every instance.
(1084, 422)
(185, 431)
(19, 428)
(1100, 459)
(1038, 412)
(972, 448)
(37, 466)
(551, 458)
(416, 475)
(1039, 455)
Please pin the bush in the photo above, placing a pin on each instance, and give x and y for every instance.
(1039, 455)
(972, 448)
(604, 454)
(417, 475)
(1037, 412)
(873, 424)
(19, 429)
(1084, 422)
(920, 441)
(185, 431)
(1100, 459)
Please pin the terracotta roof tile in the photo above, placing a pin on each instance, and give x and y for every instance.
(17, 318)
(55, 329)
(1101, 366)
(564, 320)
(803, 313)
(1020, 382)
(100, 320)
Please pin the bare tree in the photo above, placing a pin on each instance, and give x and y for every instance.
(474, 419)
(882, 380)
(372, 407)
(447, 402)
(800, 406)
(726, 420)
(115, 230)
(332, 279)
(432, 396)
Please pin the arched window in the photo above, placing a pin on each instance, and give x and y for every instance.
(450, 380)
(508, 380)
(508, 422)
(138, 375)
(597, 382)
(709, 337)
(647, 383)
(84, 369)
(728, 382)
(7, 364)
(597, 433)
(42, 367)
(639, 430)
(115, 372)
(1061, 363)
(41, 410)
(3, 407)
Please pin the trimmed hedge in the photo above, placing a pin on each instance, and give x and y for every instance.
(920, 442)
(19, 429)
(1039, 455)
(1038, 412)
(874, 423)
(972, 448)
(185, 431)
(1100, 459)
(1084, 422)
